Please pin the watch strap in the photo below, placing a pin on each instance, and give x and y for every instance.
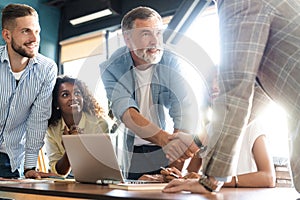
(209, 185)
(197, 141)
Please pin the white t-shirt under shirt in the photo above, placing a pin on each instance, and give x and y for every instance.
(18, 75)
(246, 162)
(144, 98)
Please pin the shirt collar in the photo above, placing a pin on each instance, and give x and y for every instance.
(4, 57)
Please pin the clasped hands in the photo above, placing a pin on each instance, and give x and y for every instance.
(74, 130)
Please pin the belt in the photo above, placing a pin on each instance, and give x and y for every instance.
(145, 148)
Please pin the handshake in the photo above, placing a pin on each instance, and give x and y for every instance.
(182, 146)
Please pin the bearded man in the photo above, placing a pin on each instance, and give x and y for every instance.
(27, 79)
(143, 79)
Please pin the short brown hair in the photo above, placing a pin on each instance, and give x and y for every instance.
(13, 11)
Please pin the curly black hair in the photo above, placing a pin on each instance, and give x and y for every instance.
(90, 106)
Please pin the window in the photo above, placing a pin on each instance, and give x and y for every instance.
(81, 58)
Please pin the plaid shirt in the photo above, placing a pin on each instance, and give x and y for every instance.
(260, 39)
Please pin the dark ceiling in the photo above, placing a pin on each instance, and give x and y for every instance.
(71, 9)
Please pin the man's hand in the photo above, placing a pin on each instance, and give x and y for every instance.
(180, 147)
(36, 174)
(191, 185)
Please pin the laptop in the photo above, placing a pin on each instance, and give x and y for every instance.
(93, 160)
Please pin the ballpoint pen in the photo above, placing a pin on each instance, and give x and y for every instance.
(171, 173)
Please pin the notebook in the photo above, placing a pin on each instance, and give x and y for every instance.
(135, 186)
(93, 159)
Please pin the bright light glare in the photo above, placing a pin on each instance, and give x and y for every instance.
(205, 31)
(275, 122)
(90, 17)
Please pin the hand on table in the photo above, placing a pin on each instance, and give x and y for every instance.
(191, 185)
(36, 174)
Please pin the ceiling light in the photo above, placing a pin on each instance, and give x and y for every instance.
(90, 17)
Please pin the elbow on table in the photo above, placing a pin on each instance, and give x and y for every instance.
(270, 180)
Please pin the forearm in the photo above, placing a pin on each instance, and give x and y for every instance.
(195, 164)
(145, 129)
(255, 179)
(63, 165)
(178, 165)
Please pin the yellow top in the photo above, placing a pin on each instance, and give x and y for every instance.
(53, 140)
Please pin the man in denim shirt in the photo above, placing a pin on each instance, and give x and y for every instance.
(141, 80)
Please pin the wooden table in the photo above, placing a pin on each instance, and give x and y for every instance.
(67, 191)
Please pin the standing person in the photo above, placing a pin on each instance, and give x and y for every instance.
(74, 111)
(141, 80)
(260, 42)
(255, 166)
(26, 83)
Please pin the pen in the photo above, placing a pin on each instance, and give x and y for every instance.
(171, 173)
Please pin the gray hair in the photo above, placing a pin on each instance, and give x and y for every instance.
(138, 13)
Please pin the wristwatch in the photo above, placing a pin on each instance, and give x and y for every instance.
(199, 144)
(197, 141)
(209, 185)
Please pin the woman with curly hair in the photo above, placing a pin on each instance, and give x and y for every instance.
(74, 111)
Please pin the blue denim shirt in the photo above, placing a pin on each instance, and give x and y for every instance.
(169, 90)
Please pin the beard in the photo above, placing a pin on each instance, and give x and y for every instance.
(148, 57)
(22, 51)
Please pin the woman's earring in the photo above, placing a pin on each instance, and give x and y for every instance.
(57, 108)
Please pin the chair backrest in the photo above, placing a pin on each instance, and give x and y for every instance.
(282, 170)
(41, 164)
